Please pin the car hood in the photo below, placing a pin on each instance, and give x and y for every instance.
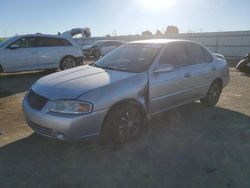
(87, 47)
(72, 83)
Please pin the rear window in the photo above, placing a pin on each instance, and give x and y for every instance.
(196, 53)
(175, 55)
(50, 42)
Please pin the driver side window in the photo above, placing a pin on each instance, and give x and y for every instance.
(27, 42)
(176, 55)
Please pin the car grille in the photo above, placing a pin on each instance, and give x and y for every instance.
(36, 101)
(40, 130)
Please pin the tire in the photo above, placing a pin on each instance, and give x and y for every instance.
(122, 124)
(67, 63)
(96, 54)
(213, 94)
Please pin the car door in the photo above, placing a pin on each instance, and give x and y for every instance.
(202, 71)
(21, 55)
(50, 52)
(170, 89)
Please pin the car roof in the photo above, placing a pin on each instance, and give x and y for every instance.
(40, 35)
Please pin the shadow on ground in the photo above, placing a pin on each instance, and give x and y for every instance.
(190, 146)
(14, 83)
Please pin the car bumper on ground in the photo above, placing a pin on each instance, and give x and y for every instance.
(61, 126)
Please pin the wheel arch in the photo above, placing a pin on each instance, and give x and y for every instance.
(63, 57)
(219, 80)
(123, 102)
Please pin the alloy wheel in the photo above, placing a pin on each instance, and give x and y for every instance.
(68, 63)
(130, 124)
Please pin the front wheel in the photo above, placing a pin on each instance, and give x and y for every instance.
(67, 63)
(123, 124)
(213, 94)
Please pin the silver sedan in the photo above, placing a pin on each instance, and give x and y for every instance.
(112, 97)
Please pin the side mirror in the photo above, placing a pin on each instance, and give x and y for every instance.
(14, 46)
(163, 68)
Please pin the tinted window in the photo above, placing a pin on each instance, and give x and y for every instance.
(65, 42)
(27, 42)
(98, 43)
(175, 55)
(115, 43)
(50, 42)
(45, 42)
(107, 44)
(195, 53)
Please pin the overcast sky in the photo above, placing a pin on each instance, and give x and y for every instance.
(123, 16)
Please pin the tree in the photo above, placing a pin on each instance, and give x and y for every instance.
(146, 33)
(171, 29)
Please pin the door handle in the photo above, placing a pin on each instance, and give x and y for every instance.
(186, 75)
(213, 68)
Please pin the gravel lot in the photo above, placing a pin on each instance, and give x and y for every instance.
(190, 146)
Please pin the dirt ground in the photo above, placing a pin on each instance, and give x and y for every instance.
(190, 146)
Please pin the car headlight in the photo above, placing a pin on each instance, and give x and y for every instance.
(71, 107)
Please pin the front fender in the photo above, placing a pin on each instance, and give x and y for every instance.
(134, 88)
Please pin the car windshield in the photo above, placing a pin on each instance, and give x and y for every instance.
(129, 58)
(7, 40)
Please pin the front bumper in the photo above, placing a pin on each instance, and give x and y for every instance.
(61, 126)
(79, 60)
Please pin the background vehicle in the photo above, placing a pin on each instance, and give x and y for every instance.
(35, 52)
(112, 98)
(100, 48)
(244, 65)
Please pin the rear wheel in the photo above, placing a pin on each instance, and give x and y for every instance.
(122, 124)
(67, 63)
(213, 94)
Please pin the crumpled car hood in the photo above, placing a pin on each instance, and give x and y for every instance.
(87, 47)
(72, 83)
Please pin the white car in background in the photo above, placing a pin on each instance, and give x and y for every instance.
(37, 52)
(100, 48)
